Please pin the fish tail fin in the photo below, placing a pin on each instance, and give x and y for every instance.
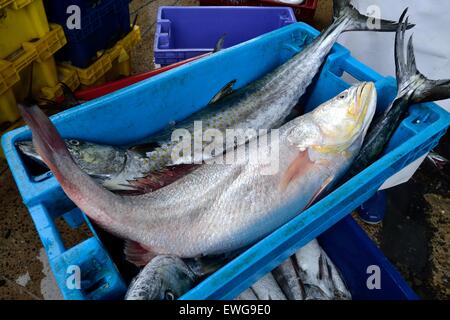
(46, 139)
(360, 22)
(77, 185)
(411, 82)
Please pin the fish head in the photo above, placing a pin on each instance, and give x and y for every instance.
(99, 161)
(164, 278)
(335, 125)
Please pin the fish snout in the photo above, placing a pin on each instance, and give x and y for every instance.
(365, 101)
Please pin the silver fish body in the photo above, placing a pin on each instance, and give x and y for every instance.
(220, 208)
(183, 212)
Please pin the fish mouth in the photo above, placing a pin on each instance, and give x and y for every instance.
(361, 110)
(364, 105)
(366, 96)
(363, 97)
(27, 148)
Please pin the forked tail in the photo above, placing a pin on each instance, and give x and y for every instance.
(413, 87)
(359, 22)
(98, 203)
(411, 82)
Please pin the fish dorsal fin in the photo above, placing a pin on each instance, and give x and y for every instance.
(296, 169)
(137, 254)
(158, 179)
(225, 91)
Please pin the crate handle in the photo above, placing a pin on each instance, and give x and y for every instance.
(47, 230)
(359, 70)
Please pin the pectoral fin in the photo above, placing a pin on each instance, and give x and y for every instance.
(157, 179)
(296, 169)
(137, 254)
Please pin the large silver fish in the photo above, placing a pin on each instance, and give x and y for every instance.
(219, 208)
(263, 104)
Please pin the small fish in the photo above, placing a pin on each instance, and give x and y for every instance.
(319, 276)
(263, 104)
(168, 277)
(307, 275)
(267, 288)
(204, 213)
(413, 87)
(164, 278)
(287, 276)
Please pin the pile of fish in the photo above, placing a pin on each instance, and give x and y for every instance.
(263, 104)
(180, 211)
(308, 275)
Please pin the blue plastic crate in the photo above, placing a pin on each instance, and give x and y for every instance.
(353, 252)
(186, 32)
(103, 23)
(153, 103)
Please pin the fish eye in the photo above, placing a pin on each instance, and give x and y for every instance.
(343, 95)
(74, 142)
(168, 295)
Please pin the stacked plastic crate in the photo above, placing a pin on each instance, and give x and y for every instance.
(303, 10)
(27, 67)
(99, 38)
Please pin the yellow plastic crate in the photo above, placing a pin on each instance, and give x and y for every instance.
(21, 21)
(39, 51)
(110, 64)
(34, 59)
(15, 4)
(66, 76)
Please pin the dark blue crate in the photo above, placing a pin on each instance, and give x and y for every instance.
(178, 93)
(353, 252)
(103, 23)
